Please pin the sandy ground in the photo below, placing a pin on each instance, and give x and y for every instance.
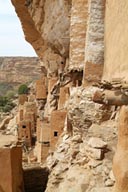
(6, 139)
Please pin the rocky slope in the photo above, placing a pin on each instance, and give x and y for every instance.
(83, 159)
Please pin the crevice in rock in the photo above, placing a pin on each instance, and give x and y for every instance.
(35, 179)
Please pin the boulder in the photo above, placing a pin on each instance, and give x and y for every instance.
(95, 142)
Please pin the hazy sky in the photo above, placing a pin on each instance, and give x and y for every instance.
(12, 42)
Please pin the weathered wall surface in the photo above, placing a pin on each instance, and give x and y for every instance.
(120, 161)
(94, 49)
(116, 40)
(79, 15)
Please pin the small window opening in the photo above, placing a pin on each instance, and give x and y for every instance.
(24, 126)
(55, 133)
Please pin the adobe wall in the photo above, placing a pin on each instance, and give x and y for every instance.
(51, 83)
(38, 129)
(43, 140)
(45, 132)
(11, 179)
(24, 132)
(26, 121)
(64, 96)
(5, 159)
(41, 151)
(22, 99)
(57, 126)
(31, 117)
(17, 172)
(116, 40)
(30, 107)
(120, 161)
(41, 92)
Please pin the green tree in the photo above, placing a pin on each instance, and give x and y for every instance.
(23, 89)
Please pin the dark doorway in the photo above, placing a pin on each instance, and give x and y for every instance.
(35, 179)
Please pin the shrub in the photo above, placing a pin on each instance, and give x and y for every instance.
(6, 104)
(11, 94)
(23, 89)
(7, 108)
(3, 101)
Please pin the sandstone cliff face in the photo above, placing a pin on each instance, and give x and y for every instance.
(116, 40)
(46, 27)
(16, 69)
